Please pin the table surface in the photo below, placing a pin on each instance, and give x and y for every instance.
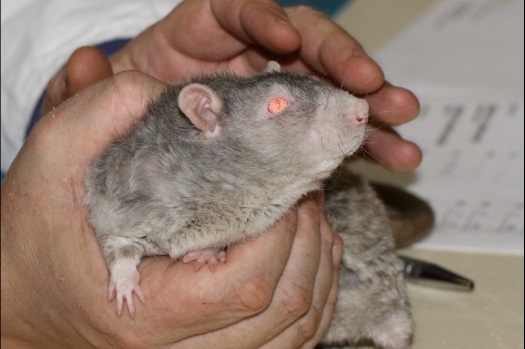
(492, 315)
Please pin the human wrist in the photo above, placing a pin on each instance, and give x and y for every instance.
(33, 310)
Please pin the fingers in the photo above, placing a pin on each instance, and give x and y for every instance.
(302, 288)
(388, 149)
(86, 66)
(262, 22)
(393, 105)
(328, 308)
(306, 324)
(327, 48)
(309, 329)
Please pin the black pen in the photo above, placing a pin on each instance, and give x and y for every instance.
(430, 274)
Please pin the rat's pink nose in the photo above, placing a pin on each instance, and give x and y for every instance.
(361, 111)
(361, 117)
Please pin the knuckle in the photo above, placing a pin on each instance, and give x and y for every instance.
(123, 80)
(295, 300)
(307, 329)
(253, 296)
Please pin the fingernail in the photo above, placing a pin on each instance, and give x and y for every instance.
(360, 52)
(282, 20)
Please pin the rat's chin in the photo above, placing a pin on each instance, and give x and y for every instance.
(324, 168)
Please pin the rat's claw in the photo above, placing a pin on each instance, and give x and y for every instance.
(126, 295)
(112, 292)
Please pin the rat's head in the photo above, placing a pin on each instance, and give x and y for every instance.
(286, 121)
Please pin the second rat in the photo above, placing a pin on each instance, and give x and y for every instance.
(219, 159)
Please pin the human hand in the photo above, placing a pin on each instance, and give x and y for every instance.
(275, 291)
(201, 36)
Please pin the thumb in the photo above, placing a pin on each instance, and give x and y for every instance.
(86, 66)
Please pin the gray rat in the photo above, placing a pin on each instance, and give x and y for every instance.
(219, 159)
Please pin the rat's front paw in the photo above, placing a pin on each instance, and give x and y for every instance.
(124, 282)
(210, 256)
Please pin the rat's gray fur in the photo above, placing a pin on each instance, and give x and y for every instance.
(372, 301)
(166, 189)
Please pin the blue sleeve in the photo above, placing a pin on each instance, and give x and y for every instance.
(330, 7)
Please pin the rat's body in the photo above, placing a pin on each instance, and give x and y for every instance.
(220, 159)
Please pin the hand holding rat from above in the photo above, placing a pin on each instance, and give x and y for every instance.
(276, 290)
(201, 36)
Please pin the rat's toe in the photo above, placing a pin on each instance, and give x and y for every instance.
(209, 256)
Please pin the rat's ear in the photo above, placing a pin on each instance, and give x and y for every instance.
(201, 105)
(272, 66)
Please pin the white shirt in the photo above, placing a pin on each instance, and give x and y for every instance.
(38, 36)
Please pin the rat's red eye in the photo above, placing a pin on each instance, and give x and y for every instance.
(277, 104)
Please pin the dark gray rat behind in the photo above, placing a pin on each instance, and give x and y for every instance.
(372, 301)
(219, 159)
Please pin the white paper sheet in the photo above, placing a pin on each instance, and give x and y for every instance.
(462, 44)
(467, 70)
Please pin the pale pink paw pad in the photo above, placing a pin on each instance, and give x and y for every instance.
(209, 256)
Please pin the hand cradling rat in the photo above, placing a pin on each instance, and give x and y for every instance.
(219, 159)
